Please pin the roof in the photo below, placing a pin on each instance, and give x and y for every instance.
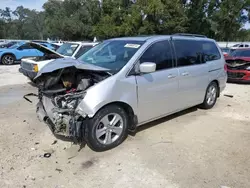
(247, 48)
(155, 37)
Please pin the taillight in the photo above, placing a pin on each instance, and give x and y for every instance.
(225, 67)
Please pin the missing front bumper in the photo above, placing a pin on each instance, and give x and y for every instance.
(76, 127)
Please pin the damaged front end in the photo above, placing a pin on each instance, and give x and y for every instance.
(60, 92)
(238, 64)
(238, 69)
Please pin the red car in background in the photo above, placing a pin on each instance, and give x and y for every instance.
(238, 66)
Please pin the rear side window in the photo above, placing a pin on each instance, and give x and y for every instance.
(210, 51)
(159, 53)
(191, 52)
(25, 46)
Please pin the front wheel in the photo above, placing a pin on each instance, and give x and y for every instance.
(211, 96)
(8, 59)
(107, 129)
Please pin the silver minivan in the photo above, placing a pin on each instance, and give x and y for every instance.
(123, 83)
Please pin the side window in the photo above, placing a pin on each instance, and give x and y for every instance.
(241, 46)
(25, 47)
(159, 53)
(246, 45)
(191, 52)
(82, 50)
(210, 51)
(188, 52)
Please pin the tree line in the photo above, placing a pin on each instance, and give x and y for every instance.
(222, 20)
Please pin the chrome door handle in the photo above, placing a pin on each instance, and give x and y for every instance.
(185, 74)
(171, 76)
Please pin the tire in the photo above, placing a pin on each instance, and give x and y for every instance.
(209, 103)
(101, 135)
(8, 59)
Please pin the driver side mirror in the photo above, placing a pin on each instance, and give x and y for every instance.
(147, 67)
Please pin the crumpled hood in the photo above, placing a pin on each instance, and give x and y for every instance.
(68, 62)
(237, 58)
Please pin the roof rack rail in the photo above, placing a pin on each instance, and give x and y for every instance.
(189, 35)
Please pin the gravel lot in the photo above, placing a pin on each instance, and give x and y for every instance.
(192, 149)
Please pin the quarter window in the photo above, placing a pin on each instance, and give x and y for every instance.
(210, 51)
(25, 46)
(160, 54)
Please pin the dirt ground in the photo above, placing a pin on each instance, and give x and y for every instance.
(192, 149)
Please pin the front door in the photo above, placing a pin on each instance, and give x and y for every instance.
(157, 91)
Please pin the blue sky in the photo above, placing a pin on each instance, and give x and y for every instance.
(32, 4)
(37, 4)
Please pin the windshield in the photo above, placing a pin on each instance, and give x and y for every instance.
(241, 53)
(67, 49)
(112, 55)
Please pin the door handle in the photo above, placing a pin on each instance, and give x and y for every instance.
(171, 76)
(185, 73)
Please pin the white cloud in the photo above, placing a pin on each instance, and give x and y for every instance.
(31, 4)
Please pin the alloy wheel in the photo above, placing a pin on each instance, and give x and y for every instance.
(109, 128)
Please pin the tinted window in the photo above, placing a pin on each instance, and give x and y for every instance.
(159, 53)
(191, 52)
(246, 45)
(188, 52)
(25, 46)
(82, 50)
(210, 51)
(241, 46)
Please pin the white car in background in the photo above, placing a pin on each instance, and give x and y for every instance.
(241, 45)
(31, 66)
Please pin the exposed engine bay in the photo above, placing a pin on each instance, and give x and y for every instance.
(60, 92)
(237, 64)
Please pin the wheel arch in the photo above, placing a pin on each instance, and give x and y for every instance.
(7, 53)
(128, 109)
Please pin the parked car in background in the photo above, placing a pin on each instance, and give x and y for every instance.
(31, 66)
(126, 82)
(75, 49)
(238, 66)
(8, 44)
(2, 42)
(225, 51)
(15, 53)
(47, 44)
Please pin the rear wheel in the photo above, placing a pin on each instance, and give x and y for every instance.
(107, 129)
(8, 59)
(211, 96)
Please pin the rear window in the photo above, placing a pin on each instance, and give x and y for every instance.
(191, 52)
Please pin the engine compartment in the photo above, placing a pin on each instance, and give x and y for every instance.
(60, 92)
